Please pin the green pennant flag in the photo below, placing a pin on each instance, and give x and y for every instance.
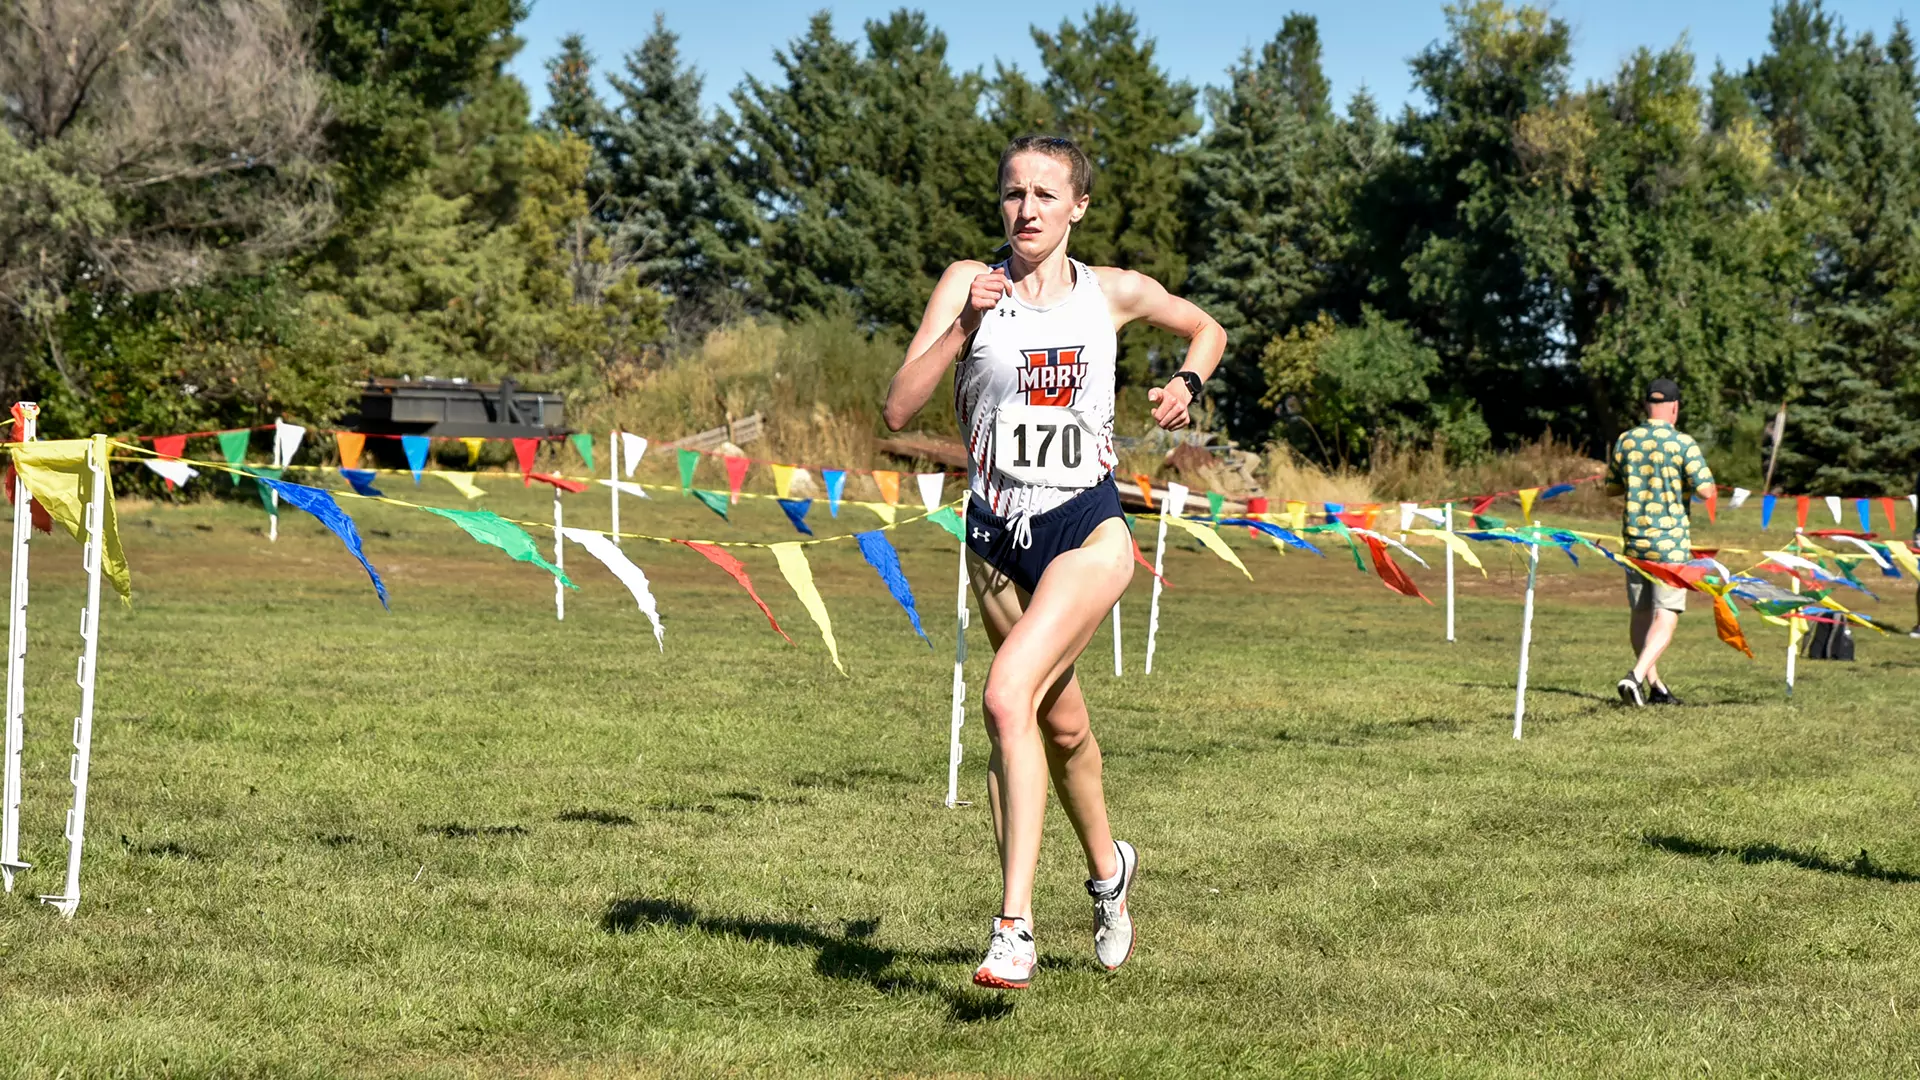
(1215, 501)
(1483, 521)
(233, 447)
(583, 442)
(948, 520)
(1131, 520)
(688, 459)
(495, 531)
(266, 494)
(715, 501)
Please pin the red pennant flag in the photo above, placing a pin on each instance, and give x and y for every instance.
(1678, 575)
(1800, 504)
(561, 482)
(736, 475)
(1372, 514)
(1142, 560)
(1256, 505)
(1713, 502)
(732, 566)
(524, 450)
(1480, 504)
(172, 446)
(1390, 573)
(1728, 626)
(1886, 507)
(43, 520)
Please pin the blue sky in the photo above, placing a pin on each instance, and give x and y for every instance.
(1366, 42)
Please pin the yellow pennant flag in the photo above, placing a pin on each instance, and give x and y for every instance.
(882, 510)
(473, 452)
(889, 486)
(462, 482)
(1297, 513)
(783, 481)
(57, 475)
(793, 566)
(1211, 540)
(1903, 555)
(1457, 543)
(1527, 496)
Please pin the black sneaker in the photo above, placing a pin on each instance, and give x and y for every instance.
(1660, 695)
(1629, 688)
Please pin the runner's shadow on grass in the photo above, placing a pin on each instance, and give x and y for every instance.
(850, 955)
(1535, 688)
(1860, 866)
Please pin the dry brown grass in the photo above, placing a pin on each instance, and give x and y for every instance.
(1424, 474)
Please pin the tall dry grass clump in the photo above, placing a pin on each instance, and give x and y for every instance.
(1424, 473)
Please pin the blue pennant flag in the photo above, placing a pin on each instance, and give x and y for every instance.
(1766, 510)
(1555, 491)
(836, 483)
(886, 561)
(797, 512)
(317, 502)
(1284, 536)
(362, 481)
(1860, 508)
(1333, 511)
(416, 447)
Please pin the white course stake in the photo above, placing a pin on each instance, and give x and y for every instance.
(1793, 639)
(68, 899)
(559, 560)
(10, 863)
(1175, 503)
(1526, 640)
(1449, 575)
(1116, 639)
(959, 669)
(613, 473)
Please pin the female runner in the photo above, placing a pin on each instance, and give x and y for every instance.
(1049, 552)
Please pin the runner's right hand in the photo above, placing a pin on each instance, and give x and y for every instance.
(985, 295)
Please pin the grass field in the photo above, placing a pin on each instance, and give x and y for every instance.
(462, 839)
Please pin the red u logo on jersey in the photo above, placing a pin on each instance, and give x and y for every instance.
(1052, 376)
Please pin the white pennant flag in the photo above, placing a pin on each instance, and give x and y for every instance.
(286, 441)
(1833, 507)
(1438, 517)
(1913, 500)
(1407, 510)
(176, 473)
(634, 490)
(632, 448)
(631, 576)
(1739, 496)
(932, 488)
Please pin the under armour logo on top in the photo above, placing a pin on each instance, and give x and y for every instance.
(982, 535)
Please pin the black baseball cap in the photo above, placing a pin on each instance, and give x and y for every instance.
(1660, 391)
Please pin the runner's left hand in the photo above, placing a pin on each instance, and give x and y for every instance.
(1170, 405)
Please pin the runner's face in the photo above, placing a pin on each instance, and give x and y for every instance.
(1037, 204)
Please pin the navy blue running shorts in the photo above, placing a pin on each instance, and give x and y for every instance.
(1061, 529)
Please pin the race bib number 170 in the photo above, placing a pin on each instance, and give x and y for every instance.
(1046, 445)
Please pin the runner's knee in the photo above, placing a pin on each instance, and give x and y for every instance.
(1009, 709)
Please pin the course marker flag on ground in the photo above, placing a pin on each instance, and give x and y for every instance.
(632, 449)
(320, 504)
(793, 566)
(362, 481)
(56, 474)
(495, 531)
(350, 443)
(1211, 541)
(738, 572)
(631, 576)
(524, 451)
(797, 512)
(416, 447)
(932, 489)
(462, 482)
(836, 481)
(885, 561)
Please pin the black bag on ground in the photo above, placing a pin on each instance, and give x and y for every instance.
(1830, 641)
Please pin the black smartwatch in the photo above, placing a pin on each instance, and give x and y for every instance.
(1193, 383)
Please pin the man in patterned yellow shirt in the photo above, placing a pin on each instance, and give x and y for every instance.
(1658, 469)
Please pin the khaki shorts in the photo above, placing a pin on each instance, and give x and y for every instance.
(1645, 595)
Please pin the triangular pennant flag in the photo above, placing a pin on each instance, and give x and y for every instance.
(175, 473)
(583, 445)
(1437, 516)
(416, 448)
(564, 483)
(631, 576)
(473, 445)
(286, 441)
(362, 481)
(782, 480)
(689, 460)
(886, 562)
(495, 531)
(736, 475)
(1407, 511)
(713, 500)
(1903, 555)
(1215, 501)
(1458, 544)
(57, 477)
(932, 489)
(836, 480)
(266, 493)
(1333, 511)
(632, 449)
(1479, 505)
(1555, 491)
(233, 447)
(1801, 503)
(947, 518)
(462, 482)
(1296, 514)
(1833, 507)
(1390, 573)
(1767, 502)
(1913, 500)
(738, 572)
(1727, 625)
(1886, 507)
(797, 512)
(1713, 503)
(349, 443)
(793, 566)
(1862, 511)
(1526, 503)
(1211, 541)
(1740, 497)
(1145, 484)
(889, 484)
(525, 451)
(320, 504)
(883, 511)
(172, 446)
(626, 488)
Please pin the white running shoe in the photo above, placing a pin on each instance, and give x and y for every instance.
(1112, 925)
(1010, 956)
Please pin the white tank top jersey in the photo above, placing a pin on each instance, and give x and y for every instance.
(1063, 355)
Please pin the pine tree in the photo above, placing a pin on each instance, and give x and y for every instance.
(660, 153)
(574, 107)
